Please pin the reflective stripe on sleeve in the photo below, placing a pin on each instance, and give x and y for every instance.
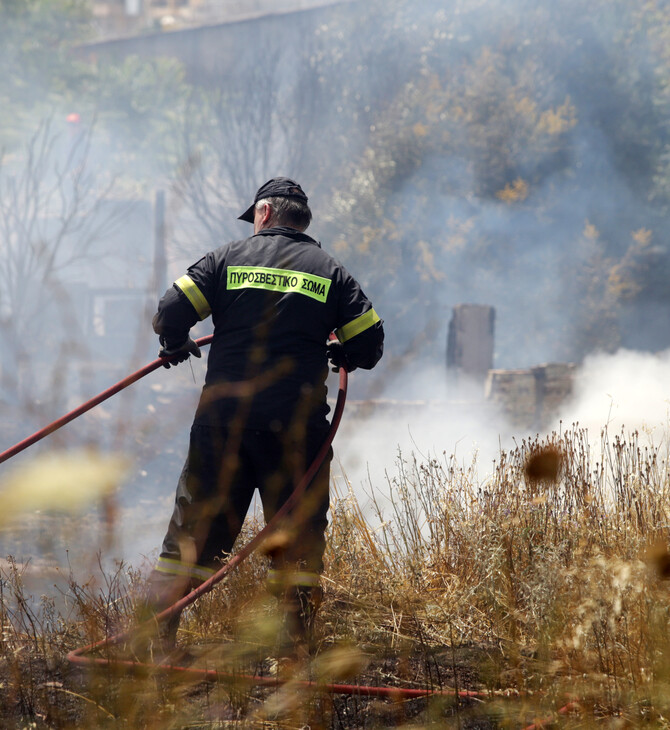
(356, 326)
(194, 295)
(176, 567)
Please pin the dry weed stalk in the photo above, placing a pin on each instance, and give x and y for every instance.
(548, 577)
(545, 561)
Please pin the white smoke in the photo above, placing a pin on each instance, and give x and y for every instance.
(627, 391)
(419, 417)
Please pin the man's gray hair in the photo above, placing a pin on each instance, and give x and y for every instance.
(288, 212)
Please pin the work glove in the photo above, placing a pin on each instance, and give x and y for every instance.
(178, 354)
(337, 356)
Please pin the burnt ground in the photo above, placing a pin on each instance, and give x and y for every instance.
(40, 689)
(38, 692)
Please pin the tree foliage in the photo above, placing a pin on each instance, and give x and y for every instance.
(507, 131)
(35, 36)
(451, 155)
(131, 100)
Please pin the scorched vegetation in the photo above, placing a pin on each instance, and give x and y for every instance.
(540, 589)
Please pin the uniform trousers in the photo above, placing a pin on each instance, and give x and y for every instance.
(223, 468)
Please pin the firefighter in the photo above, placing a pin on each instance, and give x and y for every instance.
(275, 298)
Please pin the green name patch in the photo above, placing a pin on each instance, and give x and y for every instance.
(283, 280)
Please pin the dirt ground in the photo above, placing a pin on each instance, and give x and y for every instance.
(38, 692)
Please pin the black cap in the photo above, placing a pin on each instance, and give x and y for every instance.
(278, 187)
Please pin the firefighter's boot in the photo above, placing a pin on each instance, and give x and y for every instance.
(156, 639)
(300, 605)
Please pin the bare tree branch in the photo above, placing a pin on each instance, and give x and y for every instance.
(51, 217)
(234, 138)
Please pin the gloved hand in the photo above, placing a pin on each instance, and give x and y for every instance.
(179, 354)
(337, 356)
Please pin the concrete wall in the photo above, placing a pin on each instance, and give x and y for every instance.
(117, 18)
(531, 398)
(213, 51)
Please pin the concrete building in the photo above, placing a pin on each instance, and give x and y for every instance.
(121, 19)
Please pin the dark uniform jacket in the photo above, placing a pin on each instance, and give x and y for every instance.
(274, 299)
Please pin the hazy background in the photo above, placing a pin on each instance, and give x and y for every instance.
(513, 154)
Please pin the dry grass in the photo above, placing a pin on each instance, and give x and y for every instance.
(547, 581)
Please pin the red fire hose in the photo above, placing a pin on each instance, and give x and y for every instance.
(39, 435)
(79, 656)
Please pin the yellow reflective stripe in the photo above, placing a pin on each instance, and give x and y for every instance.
(176, 567)
(293, 578)
(194, 295)
(356, 326)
